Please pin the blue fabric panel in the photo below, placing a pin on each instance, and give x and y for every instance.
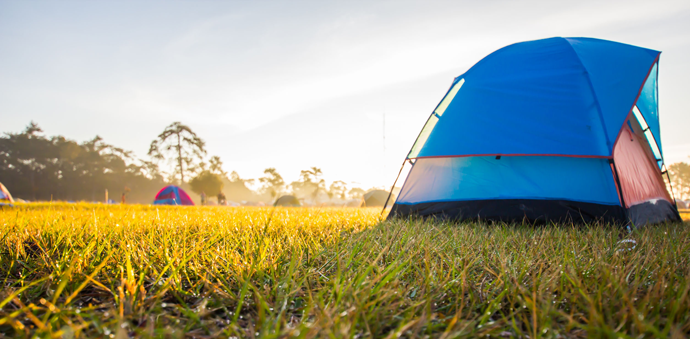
(552, 96)
(648, 105)
(531, 177)
(617, 72)
(169, 189)
(166, 202)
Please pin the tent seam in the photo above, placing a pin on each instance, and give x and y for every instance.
(594, 94)
(514, 155)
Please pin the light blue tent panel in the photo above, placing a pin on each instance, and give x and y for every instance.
(530, 177)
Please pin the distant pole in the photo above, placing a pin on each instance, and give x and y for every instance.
(384, 143)
(106, 195)
(384, 134)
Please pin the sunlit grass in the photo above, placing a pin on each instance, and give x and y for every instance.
(685, 214)
(119, 271)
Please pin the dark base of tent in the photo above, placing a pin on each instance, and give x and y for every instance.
(653, 213)
(514, 210)
(540, 211)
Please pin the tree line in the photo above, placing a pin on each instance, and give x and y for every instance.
(34, 167)
(680, 180)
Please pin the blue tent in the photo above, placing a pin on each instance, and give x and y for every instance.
(173, 195)
(545, 130)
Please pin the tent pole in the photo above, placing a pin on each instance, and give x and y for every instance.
(618, 182)
(663, 163)
(670, 185)
(391, 191)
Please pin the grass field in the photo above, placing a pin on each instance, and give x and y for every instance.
(79, 270)
(685, 214)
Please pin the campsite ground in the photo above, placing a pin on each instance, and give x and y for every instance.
(85, 270)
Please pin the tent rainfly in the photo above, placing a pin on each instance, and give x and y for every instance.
(559, 129)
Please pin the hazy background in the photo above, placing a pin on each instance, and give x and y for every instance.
(294, 84)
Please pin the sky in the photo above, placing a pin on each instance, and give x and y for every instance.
(345, 86)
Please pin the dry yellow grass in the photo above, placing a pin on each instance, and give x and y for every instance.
(685, 214)
(103, 258)
(84, 270)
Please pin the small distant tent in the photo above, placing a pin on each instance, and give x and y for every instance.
(287, 201)
(353, 203)
(5, 196)
(559, 129)
(375, 198)
(173, 195)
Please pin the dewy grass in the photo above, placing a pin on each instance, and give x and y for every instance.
(81, 270)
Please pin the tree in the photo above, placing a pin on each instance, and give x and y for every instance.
(151, 170)
(680, 179)
(37, 167)
(236, 188)
(26, 161)
(309, 184)
(273, 182)
(235, 177)
(355, 193)
(179, 143)
(216, 166)
(337, 189)
(207, 182)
